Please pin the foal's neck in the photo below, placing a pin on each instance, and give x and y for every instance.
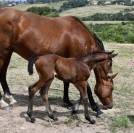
(94, 58)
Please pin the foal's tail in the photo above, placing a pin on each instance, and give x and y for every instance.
(31, 62)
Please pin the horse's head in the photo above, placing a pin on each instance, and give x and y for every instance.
(104, 85)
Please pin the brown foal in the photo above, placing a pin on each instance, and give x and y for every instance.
(74, 70)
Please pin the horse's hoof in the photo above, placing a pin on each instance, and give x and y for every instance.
(99, 113)
(10, 99)
(13, 101)
(3, 104)
(32, 120)
(74, 112)
(67, 103)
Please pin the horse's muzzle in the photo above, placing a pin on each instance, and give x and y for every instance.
(110, 106)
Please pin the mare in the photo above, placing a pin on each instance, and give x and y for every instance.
(27, 34)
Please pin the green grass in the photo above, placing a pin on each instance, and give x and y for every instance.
(120, 123)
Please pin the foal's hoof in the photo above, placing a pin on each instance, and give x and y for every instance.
(92, 121)
(32, 120)
(53, 117)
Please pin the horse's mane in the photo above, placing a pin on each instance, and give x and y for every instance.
(96, 38)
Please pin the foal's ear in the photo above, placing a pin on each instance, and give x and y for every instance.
(109, 52)
(113, 55)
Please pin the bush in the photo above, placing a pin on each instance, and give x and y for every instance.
(122, 33)
(110, 17)
(73, 4)
(46, 11)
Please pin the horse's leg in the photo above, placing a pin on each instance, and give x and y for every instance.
(66, 100)
(3, 72)
(44, 95)
(32, 90)
(82, 87)
(93, 104)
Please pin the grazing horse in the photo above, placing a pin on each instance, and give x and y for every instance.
(74, 70)
(27, 34)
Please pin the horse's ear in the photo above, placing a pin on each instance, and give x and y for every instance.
(112, 76)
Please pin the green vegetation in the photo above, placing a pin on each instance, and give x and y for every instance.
(122, 16)
(120, 122)
(122, 33)
(44, 11)
(73, 4)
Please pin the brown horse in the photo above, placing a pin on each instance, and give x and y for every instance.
(74, 70)
(28, 34)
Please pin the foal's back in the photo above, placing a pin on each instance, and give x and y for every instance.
(67, 69)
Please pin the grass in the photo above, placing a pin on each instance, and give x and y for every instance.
(119, 119)
(120, 122)
(24, 7)
(91, 10)
(80, 11)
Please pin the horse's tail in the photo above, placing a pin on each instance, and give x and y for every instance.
(31, 62)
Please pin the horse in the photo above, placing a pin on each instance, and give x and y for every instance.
(73, 70)
(27, 34)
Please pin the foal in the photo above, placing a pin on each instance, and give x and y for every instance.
(74, 70)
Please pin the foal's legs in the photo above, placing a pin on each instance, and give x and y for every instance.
(44, 95)
(93, 104)
(67, 102)
(82, 87)
(32, 90)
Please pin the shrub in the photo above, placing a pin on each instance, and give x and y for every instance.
(46, 11)
(73, 3)
(110, 17)
(122, 33)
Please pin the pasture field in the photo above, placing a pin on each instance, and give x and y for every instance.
(91, 10)
(24, 7)
(79, 11)
(120, 119)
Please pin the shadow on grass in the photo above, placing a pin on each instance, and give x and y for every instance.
(44, 116)
(22, 100)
